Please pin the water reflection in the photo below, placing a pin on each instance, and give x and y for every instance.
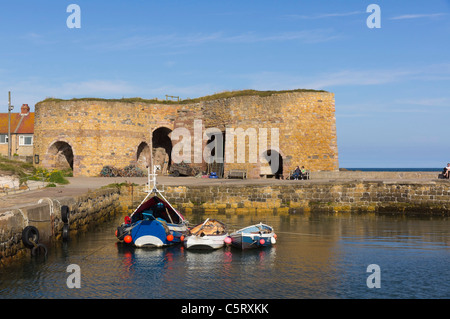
(174, 271)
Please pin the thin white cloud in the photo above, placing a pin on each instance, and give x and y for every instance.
(34, 38)
(310, 36)
(324, 15)
(278, 81)
(437, 102)
(32, 90)
(95, 87)
(188, 40)
(348, 77)
(357, 77)
(418, 16)
(35, 89)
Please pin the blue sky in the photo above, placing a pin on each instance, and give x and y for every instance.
(391, 84)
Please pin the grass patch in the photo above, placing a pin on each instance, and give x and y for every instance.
(55, 176)
(216, 96)
(26, 171)
(15, 167)
(21, 170)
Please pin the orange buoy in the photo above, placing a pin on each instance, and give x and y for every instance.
(127, 239)
(170, 237)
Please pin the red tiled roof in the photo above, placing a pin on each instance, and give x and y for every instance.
(26, 126)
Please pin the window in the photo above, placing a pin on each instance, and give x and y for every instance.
(3, 139)
(25, 140)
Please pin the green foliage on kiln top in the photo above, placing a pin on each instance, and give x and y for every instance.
(230, 94)
(216, 96)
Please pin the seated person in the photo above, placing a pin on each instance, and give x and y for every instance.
(297, 173)
(446, 171)
(303, 172)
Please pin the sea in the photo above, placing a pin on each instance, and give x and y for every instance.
(365, 169)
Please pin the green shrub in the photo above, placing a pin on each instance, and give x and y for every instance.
(67, 172)
(57, 177)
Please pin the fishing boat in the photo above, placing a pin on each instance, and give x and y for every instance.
(154, 223)
(210, 234)
(255, 236)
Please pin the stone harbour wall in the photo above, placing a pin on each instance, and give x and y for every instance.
(86, 210)
(396, 197)
(375, 175)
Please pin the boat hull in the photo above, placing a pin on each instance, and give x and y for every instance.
(205, 242)
(244, 241)
(152, 233)
(252, 237)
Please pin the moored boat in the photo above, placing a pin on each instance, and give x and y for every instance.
(210, 234)
(154, 223)
(254, 236)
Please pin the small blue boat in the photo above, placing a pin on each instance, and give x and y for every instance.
(154, 223)
(255, 236)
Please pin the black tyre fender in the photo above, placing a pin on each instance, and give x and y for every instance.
(120, 234)
(36, 250)
(65, 232)
(65, 213)
(30, 236)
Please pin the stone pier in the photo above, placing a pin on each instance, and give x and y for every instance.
(87, 209)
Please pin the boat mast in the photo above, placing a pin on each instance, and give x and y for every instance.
(151, 180)
(151, 170)
(151, 176)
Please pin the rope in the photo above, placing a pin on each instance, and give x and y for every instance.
(36, 247)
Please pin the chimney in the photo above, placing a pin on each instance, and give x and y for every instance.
(24, 110)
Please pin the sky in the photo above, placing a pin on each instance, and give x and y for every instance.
(391, 83)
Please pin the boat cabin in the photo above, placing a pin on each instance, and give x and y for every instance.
(156, 208)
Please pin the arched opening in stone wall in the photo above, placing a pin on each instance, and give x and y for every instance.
(143, 156)
(272, 164)
(60, 155)
(162, 148)
(215, 148)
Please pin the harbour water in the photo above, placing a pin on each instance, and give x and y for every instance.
(316, 256)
